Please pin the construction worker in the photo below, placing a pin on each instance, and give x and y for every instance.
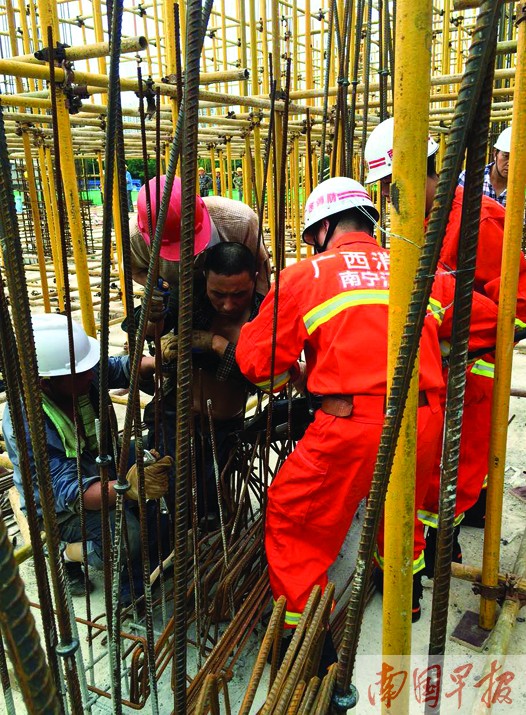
(224, 300)
(62, 394)
(217, 219)
(129, 189)
(238, 182)
(205, 182)
(218, 182)
(496, 172)
(334, 307)
(474, 449)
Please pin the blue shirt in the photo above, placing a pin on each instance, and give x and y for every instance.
(129, 181)
(487, 188)
(63, 469)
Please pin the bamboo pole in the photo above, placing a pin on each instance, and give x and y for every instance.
(504, 353)
(411, 94)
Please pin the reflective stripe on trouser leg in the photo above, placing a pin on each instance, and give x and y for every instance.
(313, 498)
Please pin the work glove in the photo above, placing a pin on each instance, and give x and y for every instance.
(202, 340)
(169, 345)
(159, 301)
(155, 479)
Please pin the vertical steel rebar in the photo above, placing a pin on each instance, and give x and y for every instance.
(467, 255)
(464, 116)
(21, 637)
(15, 274)
(194, 41)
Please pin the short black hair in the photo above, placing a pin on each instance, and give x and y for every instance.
(230, 259)
(432, 166)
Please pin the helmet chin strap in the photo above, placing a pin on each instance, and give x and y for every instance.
(333, 222)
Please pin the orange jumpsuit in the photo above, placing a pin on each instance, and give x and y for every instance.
(474, 446)
(334, 307)
(482, 335)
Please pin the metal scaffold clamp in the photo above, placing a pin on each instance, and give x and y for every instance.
(522, 16)
(59, 53)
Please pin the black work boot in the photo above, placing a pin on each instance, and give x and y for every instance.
(329, 655)
(456, 554)
(75, 576)
(430, 552)
(476, 515)
(416, 611)
(283, 647)
(431, 547)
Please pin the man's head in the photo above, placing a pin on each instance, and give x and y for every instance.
(171, 238)
(230, 271)
(201, 171)
(337, 206)
(52, 349)
(379, 157)
(239, 170)
(218, 172)
(501, 153)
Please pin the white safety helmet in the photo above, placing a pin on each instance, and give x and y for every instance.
(378, 151)
(50, 332)
(503, 143)
(333, 196)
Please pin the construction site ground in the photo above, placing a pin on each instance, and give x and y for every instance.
(368, 665)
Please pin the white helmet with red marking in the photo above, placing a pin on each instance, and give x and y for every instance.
(378, 151)
(334, 196)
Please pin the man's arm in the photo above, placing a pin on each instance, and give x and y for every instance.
(254, 349)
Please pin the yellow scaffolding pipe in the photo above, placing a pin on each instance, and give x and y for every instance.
(48, 18)
(50, 202)
(513, 228)
(407, 219)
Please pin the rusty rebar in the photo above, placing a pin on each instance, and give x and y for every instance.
(21, 636)
(467, 256)
(463, 120)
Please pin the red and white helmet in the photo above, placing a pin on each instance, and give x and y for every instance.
(333, 196)
(171, 239)
(378, 151)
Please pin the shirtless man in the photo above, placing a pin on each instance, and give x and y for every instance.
(223, 303)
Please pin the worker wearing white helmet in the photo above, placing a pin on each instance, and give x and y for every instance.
(334, 307)
(379, 157)
(62, 395)
(475, 431)
(496, 172)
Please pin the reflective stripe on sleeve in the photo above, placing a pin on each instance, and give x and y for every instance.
(434, 308)
(279, 381)
(350, 299)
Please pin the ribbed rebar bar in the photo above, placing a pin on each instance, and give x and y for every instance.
(366, 67)
(8, 355)
(464, 116)
(467, 255)
(326, 78)
(194, 41)
(4, 680)
(21, 636)
(351, 123)
(15, 274)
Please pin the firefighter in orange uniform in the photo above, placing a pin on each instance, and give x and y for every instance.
(333, 306)
(474, 448)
